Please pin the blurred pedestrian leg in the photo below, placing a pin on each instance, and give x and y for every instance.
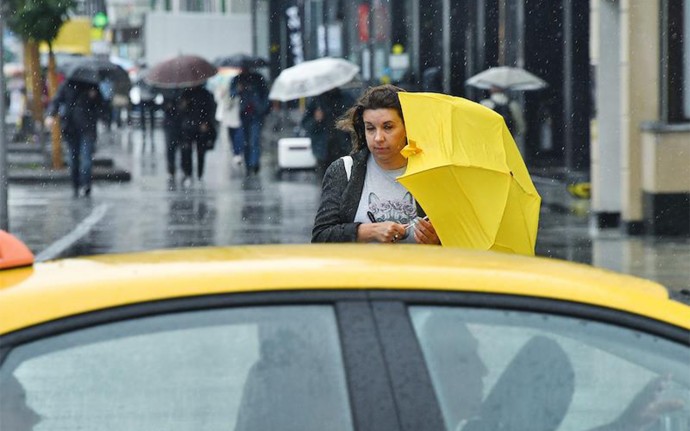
(172, 143)
(186, 159)
(236, 136)
(81, 160)
(252, 144)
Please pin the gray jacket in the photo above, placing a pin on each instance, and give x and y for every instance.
(340, 198)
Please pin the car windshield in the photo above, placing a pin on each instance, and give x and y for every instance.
(536, 371)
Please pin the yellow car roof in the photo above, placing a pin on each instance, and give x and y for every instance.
(57, 289)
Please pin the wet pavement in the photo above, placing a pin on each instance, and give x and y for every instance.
(231, 208)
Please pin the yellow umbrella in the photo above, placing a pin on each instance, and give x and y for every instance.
(465, 170)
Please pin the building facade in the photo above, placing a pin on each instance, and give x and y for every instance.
(438, 44)
(641, 154)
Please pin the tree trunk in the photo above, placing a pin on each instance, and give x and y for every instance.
(34, 84)
(56, 147)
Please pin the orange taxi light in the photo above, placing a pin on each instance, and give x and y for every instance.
(13, 252)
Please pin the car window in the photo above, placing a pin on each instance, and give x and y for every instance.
(256, 368)
(494, 369)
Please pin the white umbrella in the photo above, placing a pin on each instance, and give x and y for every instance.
(312, 78)
(507, 78)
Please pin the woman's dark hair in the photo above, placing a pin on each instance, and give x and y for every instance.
(379, 97)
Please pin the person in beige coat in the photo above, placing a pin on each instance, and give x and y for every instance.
(228, 117)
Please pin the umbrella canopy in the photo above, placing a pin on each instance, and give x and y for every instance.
(465, 170)
(312, 78)
(241, 61)
(94, 70)
(507, 78)
(180, 72)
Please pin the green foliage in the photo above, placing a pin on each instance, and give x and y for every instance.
(39, 20)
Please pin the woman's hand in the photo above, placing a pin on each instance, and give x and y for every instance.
(424, 232)
(386, 231)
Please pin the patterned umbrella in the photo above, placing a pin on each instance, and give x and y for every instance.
(180, 72)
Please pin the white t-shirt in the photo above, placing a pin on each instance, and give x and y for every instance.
(385, 198)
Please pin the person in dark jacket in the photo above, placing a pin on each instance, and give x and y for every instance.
(79, 106)
(196, 108)
(327, 143)
(368, 204)
(252, 90)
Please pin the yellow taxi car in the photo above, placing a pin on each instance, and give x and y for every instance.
(338, 337)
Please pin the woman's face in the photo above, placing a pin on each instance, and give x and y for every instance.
(385, 134)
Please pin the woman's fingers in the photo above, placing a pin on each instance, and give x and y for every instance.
(425, 233)
(392, 232)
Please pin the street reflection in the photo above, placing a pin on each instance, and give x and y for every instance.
(190, 221)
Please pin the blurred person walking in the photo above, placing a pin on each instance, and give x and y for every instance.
(196, 109)
(509, 109)
(147, 106)
(327, 142)
(228, 117)
(251, 89)
(78, 105)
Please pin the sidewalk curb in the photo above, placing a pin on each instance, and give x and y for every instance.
(45, 175)
(30, 164)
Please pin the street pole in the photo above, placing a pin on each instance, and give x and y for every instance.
(4, 177)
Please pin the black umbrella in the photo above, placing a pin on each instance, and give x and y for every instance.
(242, 61)
(93, 71)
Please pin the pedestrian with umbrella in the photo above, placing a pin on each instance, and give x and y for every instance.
(499, 81)
(460, 164)
(251, 89)
(196, 109)
(79, 103)
(361, 201)
(189, 112)
(320, 79)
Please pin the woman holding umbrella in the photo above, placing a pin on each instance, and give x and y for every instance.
(361, 200)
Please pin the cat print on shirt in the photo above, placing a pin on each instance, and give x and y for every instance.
(398, 211)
